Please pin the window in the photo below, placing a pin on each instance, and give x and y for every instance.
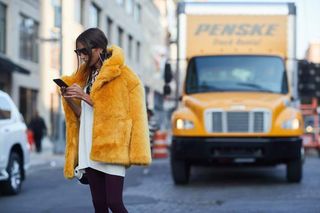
(2, 28)
(28, 102)
(130, 46)
(29, 29)
(236, 73)
(129, 6)
(57, 16)
(5, 109)
(109, 28)
(94, 15)
(137, 13)
(120, 2)
(120, 36)
(5, 81)
(79, 5)
(138, 51)
(57, 13)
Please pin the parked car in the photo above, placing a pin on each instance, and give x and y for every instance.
(14, 147)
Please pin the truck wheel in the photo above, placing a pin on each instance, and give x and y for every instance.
(180, 171)
(12, 186)
(294, 171)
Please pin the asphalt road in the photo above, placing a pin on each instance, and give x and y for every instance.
(236, 190)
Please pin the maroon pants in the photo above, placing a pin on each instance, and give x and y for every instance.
(106, 191)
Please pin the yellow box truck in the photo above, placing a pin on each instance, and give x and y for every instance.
(238, 88)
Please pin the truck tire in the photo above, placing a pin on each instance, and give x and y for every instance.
(12, 186)
(180, 171)
(294, 171)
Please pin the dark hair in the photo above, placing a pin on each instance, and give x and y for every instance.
(93, 38)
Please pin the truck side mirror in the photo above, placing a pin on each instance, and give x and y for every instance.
(167, 73)
(166, 89)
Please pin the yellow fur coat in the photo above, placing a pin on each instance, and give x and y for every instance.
(120, 127)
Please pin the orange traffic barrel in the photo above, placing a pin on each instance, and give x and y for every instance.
(160, 146)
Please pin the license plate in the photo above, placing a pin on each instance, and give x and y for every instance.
(244, 160)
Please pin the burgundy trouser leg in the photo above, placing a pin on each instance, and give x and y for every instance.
(114, 188)
(97, 188)
(106, 191)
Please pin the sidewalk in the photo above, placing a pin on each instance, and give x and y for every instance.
(46, 157)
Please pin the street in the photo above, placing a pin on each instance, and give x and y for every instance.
(152, 190)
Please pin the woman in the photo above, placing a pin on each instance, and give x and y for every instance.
(106, 120)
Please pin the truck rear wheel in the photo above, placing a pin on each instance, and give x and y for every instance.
(180, 171)
(294, 171)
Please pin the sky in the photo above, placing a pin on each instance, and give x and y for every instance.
(308, 21)
(308, 24)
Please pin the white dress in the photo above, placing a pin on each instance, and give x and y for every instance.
(85, 141)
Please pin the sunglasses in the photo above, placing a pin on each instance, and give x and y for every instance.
(83, 51)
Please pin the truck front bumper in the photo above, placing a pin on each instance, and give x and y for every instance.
(236, 150)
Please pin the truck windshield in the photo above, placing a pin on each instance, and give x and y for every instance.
(236, 73)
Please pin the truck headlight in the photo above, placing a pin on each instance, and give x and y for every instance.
(184, 124)
(293, 124)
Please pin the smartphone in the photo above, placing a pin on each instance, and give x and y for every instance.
(60, 82)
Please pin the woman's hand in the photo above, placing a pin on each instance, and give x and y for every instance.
(63, 91)
(73, 91)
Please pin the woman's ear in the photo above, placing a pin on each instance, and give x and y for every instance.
(100, 50)
(96, 50)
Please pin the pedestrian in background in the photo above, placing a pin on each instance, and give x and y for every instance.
(106, 120)
(39, 129)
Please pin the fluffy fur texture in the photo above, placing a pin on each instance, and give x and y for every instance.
(120, 126)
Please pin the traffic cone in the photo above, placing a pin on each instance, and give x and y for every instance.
(160, 146)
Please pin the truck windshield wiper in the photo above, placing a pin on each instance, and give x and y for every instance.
(205, 88)
(260, 88)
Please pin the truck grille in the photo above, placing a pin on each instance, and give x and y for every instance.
(219, 121)
(237, 121)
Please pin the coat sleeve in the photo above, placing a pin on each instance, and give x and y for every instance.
(139, 150)
(72, 129)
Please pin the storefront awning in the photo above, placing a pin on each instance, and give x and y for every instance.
(7, 65)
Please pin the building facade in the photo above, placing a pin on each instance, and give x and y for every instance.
(30, 39)
(134, 25)
(19, 50)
